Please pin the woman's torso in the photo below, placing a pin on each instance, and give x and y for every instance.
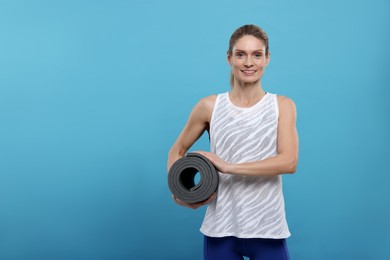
(245, 206)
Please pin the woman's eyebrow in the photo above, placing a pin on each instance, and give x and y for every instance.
(259, 50)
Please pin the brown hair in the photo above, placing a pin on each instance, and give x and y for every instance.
(248, 29)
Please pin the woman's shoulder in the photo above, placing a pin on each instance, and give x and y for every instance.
(204, 107)
(285, 103)
(284, 99)
(208, 102)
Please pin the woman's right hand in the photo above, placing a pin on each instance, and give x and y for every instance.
(194, 205)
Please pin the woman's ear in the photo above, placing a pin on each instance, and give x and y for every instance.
(229, 58)
(268, 58)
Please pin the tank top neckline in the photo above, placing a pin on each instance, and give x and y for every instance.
(245, 108)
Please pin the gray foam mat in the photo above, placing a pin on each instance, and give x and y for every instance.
(181, 178)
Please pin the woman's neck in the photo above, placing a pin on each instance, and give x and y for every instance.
(246, 94)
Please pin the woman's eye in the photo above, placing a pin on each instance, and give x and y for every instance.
(258, 55)
(239, 55)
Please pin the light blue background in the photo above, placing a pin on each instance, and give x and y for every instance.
(94, 93)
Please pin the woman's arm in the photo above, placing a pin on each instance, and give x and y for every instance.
(197, 123)
(287, 158)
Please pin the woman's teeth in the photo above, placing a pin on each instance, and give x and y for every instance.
(248, 72)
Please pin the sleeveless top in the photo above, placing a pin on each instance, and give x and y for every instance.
(246, 206)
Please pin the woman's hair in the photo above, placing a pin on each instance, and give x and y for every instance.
(248, 29)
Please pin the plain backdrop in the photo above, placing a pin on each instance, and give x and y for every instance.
(94, 93)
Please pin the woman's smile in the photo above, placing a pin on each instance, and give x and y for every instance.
(248, 72)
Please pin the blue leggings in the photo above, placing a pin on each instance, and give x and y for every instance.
(232, 248)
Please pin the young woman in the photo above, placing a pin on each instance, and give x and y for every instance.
(253, 140)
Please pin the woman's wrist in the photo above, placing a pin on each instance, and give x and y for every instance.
(229, 169)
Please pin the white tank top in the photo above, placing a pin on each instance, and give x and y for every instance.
(246, 206)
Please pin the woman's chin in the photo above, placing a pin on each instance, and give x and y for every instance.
(249, 80)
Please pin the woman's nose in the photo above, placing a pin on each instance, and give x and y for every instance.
(248, 62)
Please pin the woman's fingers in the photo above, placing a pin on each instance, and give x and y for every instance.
(212, 197)
(194, 205)
(217, 161)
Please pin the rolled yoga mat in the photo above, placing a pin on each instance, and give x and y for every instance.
(181, 178)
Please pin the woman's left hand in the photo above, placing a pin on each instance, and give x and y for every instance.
(220, 164)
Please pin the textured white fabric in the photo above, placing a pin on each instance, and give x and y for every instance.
(246, 206)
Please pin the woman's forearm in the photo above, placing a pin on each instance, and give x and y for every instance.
(276, 165)
(174, 154)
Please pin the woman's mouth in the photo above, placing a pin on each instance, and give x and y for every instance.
(248, 72)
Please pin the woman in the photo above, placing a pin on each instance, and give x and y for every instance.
(253, 140)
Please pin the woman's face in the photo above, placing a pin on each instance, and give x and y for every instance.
(248, 59)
